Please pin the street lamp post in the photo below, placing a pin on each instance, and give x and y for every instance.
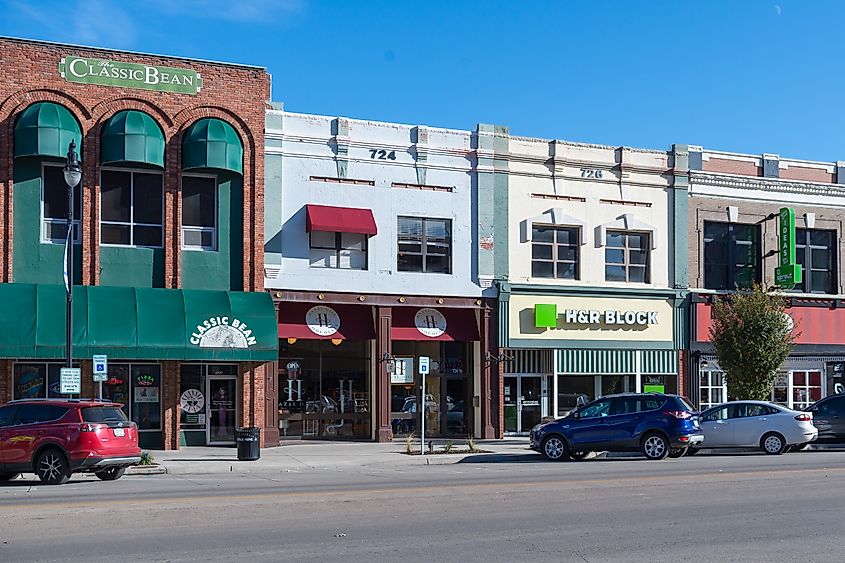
(73, 174)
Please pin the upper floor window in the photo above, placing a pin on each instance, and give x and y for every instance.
(131, 206)
(627, 257)
(199, 212)
(731, 255)
(554, 252)
(54, 206)
(425, 245)
(345, 251)
(815, 250)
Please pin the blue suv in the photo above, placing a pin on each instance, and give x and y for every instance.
(655, 424)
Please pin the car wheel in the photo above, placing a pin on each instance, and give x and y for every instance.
(8, 476)
(578, 455)
(655, 446)
(773, 444)
(554, 448)
(110, 474)
(675, 453)
(52, 468)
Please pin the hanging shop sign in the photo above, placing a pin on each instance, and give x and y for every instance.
(322, 320)
(430, 322)
(546, 316)
(788, 273)
(222, 332)
(130, 75)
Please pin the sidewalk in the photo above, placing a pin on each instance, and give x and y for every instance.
(303, 455)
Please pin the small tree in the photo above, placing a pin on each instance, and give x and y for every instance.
(752, 335)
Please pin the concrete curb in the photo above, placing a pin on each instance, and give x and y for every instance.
(146, 470)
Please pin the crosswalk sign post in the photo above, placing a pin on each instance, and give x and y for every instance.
(424, 364)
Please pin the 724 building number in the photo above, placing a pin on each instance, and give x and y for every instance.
(381, 154)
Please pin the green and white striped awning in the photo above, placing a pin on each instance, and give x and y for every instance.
(617, 362)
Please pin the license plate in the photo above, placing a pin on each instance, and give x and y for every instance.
(119, 432)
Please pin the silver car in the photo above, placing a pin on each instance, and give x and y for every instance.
(756, 424)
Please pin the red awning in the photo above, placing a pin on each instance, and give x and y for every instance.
(412, 323)
(315, 321)
(340, 219)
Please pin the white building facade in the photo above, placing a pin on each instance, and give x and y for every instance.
(371, 231)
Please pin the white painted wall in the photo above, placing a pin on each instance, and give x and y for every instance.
(306, 145)
(540, 167)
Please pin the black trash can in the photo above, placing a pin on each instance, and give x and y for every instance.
(248, 441)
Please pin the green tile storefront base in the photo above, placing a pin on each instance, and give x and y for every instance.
(150, 440)
(191, 438)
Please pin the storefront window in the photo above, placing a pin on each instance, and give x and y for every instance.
(448, 400)
(144, 381)
(54, 200)
(806, 388)
(572, 391)
(192, 401)
(199, 212)
(116, 387)
(324, 389)
(37, 381)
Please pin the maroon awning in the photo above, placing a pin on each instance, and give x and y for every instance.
(340, 219)
(427, 323)
(315, 321)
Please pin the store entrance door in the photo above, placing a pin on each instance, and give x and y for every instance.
(523, 401)
(222, 410)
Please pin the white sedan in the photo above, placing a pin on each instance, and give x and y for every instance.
(756, 424)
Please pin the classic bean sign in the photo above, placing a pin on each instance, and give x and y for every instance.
(130, 75)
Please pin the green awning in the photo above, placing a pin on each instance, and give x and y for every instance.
(46, 129)
(212, 143)
(132, 137)
(596, 362)
(128, 323)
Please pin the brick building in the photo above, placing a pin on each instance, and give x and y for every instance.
(168, 233)
(733, 229)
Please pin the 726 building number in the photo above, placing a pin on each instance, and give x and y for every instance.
(590, 173)
(381, 154)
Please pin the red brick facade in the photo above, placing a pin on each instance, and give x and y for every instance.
(232, 93)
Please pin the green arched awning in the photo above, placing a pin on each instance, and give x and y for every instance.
(212, 143)
(132, 137)
(46, 129)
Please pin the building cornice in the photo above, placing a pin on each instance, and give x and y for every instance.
(765, 184)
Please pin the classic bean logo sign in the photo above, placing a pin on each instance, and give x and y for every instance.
(222, 332)
(322, 320)
(430, 322)
(130, 75)
(192, 401)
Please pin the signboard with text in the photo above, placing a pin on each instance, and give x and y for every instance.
(130, 75)
(788, 273)
(101, 369)
(70, 381)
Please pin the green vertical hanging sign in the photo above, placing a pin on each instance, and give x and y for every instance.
(788, 273)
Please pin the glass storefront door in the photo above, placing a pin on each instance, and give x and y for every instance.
(511, 414)
(222, 410)
(530, 395)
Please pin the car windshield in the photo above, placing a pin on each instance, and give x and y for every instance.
(103, 414)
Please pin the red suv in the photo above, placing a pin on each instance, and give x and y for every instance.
(54, 438)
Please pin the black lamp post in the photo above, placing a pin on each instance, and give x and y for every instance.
(73, 174)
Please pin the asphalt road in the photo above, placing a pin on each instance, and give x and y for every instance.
(714, 508)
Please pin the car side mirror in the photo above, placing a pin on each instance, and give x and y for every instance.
(576, 415)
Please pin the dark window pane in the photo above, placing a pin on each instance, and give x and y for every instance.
(715, 231)
(30, 381)
(437, 264)
(148, 198)
(715, 276)
(437, 248)
(147, 236)
(406, 247)
(568, 253)
(410, 227)
(566, 271)
(436, 228)
(410, 263)
(198, 208)
(115, 196)
(637, 240)
(55, 194)
(614, 256)
(637, 274)
(637, 257)
(821, 238)
(614, 273)
(820, 282)
(820, 258)
(616, 240)
(543, 269)
(115, 234)
(543, 234)
(541, 251)
(103, 414)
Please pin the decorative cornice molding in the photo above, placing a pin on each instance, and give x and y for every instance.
(765, 184)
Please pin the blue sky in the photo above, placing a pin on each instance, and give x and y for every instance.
(750, 76)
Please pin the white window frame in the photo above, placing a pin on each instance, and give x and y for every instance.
(212, 230)
(710, 387)
(77, 223)
(131, 224)
(791, 388)
(338, 249)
